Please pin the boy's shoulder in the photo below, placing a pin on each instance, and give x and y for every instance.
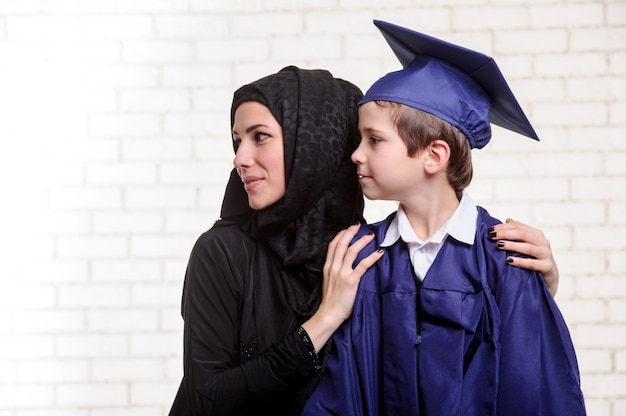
(379, 228)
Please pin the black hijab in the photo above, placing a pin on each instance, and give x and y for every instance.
(318, 115)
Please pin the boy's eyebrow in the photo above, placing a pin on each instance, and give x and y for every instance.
(251, 128)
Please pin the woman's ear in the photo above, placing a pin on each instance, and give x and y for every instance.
(437, 157)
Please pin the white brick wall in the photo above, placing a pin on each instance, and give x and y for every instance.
(115, 149)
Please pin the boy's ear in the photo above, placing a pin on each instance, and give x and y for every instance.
(437, 156)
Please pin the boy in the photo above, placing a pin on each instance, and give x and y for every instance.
(441, 326)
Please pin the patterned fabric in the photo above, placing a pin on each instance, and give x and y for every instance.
(318, 115)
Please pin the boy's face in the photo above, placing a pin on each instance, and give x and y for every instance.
(385, 169)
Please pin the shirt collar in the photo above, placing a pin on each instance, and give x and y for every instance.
(461, 226)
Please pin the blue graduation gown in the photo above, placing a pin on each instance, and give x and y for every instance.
(476, 337)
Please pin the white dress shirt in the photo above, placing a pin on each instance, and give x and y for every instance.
(461, 226)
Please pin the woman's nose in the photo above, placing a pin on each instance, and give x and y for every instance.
(243, 157)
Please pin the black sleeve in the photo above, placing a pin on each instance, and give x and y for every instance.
(217, 380)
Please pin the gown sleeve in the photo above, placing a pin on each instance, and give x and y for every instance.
(218, 378)
(539, 373)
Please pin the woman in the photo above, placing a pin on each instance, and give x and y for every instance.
(252, 299)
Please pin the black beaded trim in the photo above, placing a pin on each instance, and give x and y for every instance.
(305, 338)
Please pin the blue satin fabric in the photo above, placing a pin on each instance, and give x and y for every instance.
(486, 339)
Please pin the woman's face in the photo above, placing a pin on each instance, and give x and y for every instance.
(259, 157)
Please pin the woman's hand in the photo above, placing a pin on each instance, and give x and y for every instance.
(524, 239)
(341, 282)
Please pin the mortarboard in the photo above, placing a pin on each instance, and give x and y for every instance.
(459, 85)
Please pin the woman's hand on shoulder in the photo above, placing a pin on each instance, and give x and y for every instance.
(524, 239)
(341, 282)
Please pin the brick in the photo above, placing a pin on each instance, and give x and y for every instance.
(122, 320)
(133, 125)
(597, 39)
(502, 18)
(92, 247)
(616, 13)
(589, 311)
(22, 52)
(8, 372)
(92, 394)
(309, 47)
(26, 396)
(49, 321)
(153, 393)
(240, 6)
(571, 114)
(594, 360)
(155, 345)
(157, 149)
(617, 262)
(603, 385)
(134, 411)
(127, 222)
(195, 76)
(54, 271)
(171, 320)
(159, 246)
(15, 296)
(616, 311)
(91, 346)
(114, 295)
(565, 65)
(122, 270)
(596, 89)
(15, 7)
(596, 188)
(233, 49)
(79, 52)
(43, 27)
(121, 173)
(157, 51)
(53, 371)
(127, 369)
(186, 222)
(215, 99)
(116, 26)
(575, 213)
(163, 197)
(190, 26)
(151, 6)
(275, 23)
(157, 295)
(155, 100)
(591, 287)
(115, 76)
(574, 15)
(185, 173)
(78, 6)
(26, 346)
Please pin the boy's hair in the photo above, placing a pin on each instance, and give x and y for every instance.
(419, 129)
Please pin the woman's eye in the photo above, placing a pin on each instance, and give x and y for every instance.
(374, 140)
(259, 137)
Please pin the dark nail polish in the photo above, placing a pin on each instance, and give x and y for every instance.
(500, 243)
(509, 259)
(380, 250)
(370, 233)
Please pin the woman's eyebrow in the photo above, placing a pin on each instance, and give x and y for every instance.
(253, 127)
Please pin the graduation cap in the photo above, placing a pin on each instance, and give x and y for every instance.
(459, 85)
